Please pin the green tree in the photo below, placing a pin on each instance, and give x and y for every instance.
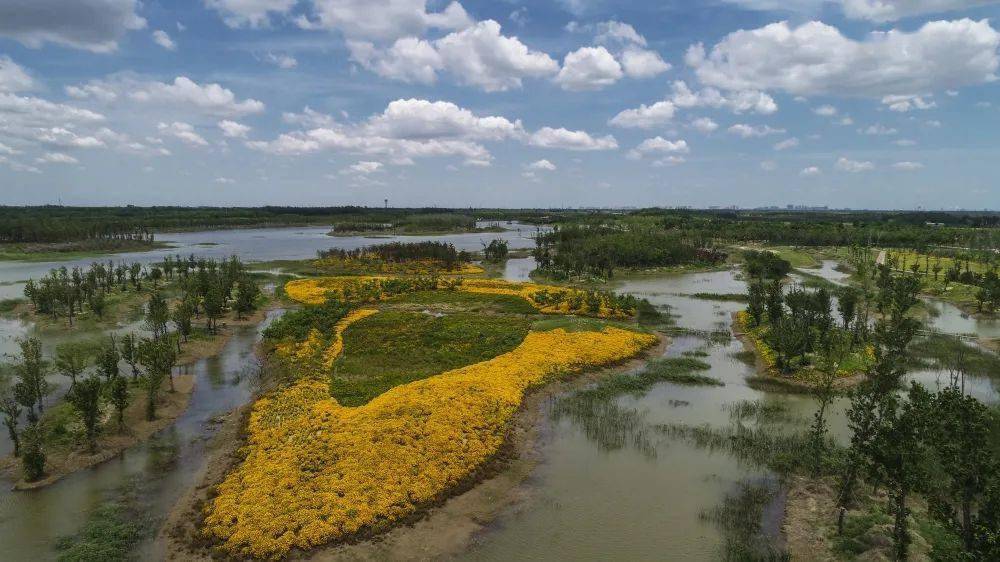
(247, 292)
(215, 306)
(961, 437)
(130, 353)
(847, 304)
(756, 297)
(117, 389)
(159, 357)
(72, 359)
(11, 411)
(157, 315)
(85, 397)
(108, 358)
(182, 317)
(32, 387)
(32, 453)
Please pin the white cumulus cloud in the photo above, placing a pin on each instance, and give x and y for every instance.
(478, 56)
(817, 59)
(589, 68)
(162, 39)
(548, 137)
(233, 130)
(749, 131)
(854, 166)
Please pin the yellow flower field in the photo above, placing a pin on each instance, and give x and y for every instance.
(316, 472)
(316, 345)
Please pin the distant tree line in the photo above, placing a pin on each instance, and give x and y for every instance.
(404, 251)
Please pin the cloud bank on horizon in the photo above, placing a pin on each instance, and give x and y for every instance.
(848, 103)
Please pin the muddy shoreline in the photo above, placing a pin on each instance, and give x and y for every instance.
(443, 530)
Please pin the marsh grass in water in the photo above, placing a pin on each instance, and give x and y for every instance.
(612, 427)
(759, 411)
(946, 352)
(111, 531)
(740, 518)
(723, 297)
(759, 446)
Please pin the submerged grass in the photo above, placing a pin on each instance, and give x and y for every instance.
(759, 411)
(740, 518)
(946, 352)
(724, 297)
(759, 446)
(612, 427)
(110, 533)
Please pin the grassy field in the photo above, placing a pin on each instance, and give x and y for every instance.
(904, 259)
(396, 347)
(471, 302)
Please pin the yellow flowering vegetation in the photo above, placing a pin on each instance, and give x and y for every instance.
(374, 264)
(319, 349)
(315, 471)
(547, 299)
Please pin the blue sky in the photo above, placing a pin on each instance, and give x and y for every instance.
(847, 103)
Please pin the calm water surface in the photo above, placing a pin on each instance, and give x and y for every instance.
(589, 501)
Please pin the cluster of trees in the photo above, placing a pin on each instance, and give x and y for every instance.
(800, 323)
(208, 286)
(496, 251)
(934, 444)
(98, 389)
(65, 292)
(395, 221)
(404, 251)
(765, 265)
(910, 441)
(601, 249)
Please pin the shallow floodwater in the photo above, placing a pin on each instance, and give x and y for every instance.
(642, 500)
(161, 469)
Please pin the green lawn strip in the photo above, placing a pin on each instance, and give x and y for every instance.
(396, 347)
(473, 302)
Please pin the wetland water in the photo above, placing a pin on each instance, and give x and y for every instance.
(638, 498)
(642, 497)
